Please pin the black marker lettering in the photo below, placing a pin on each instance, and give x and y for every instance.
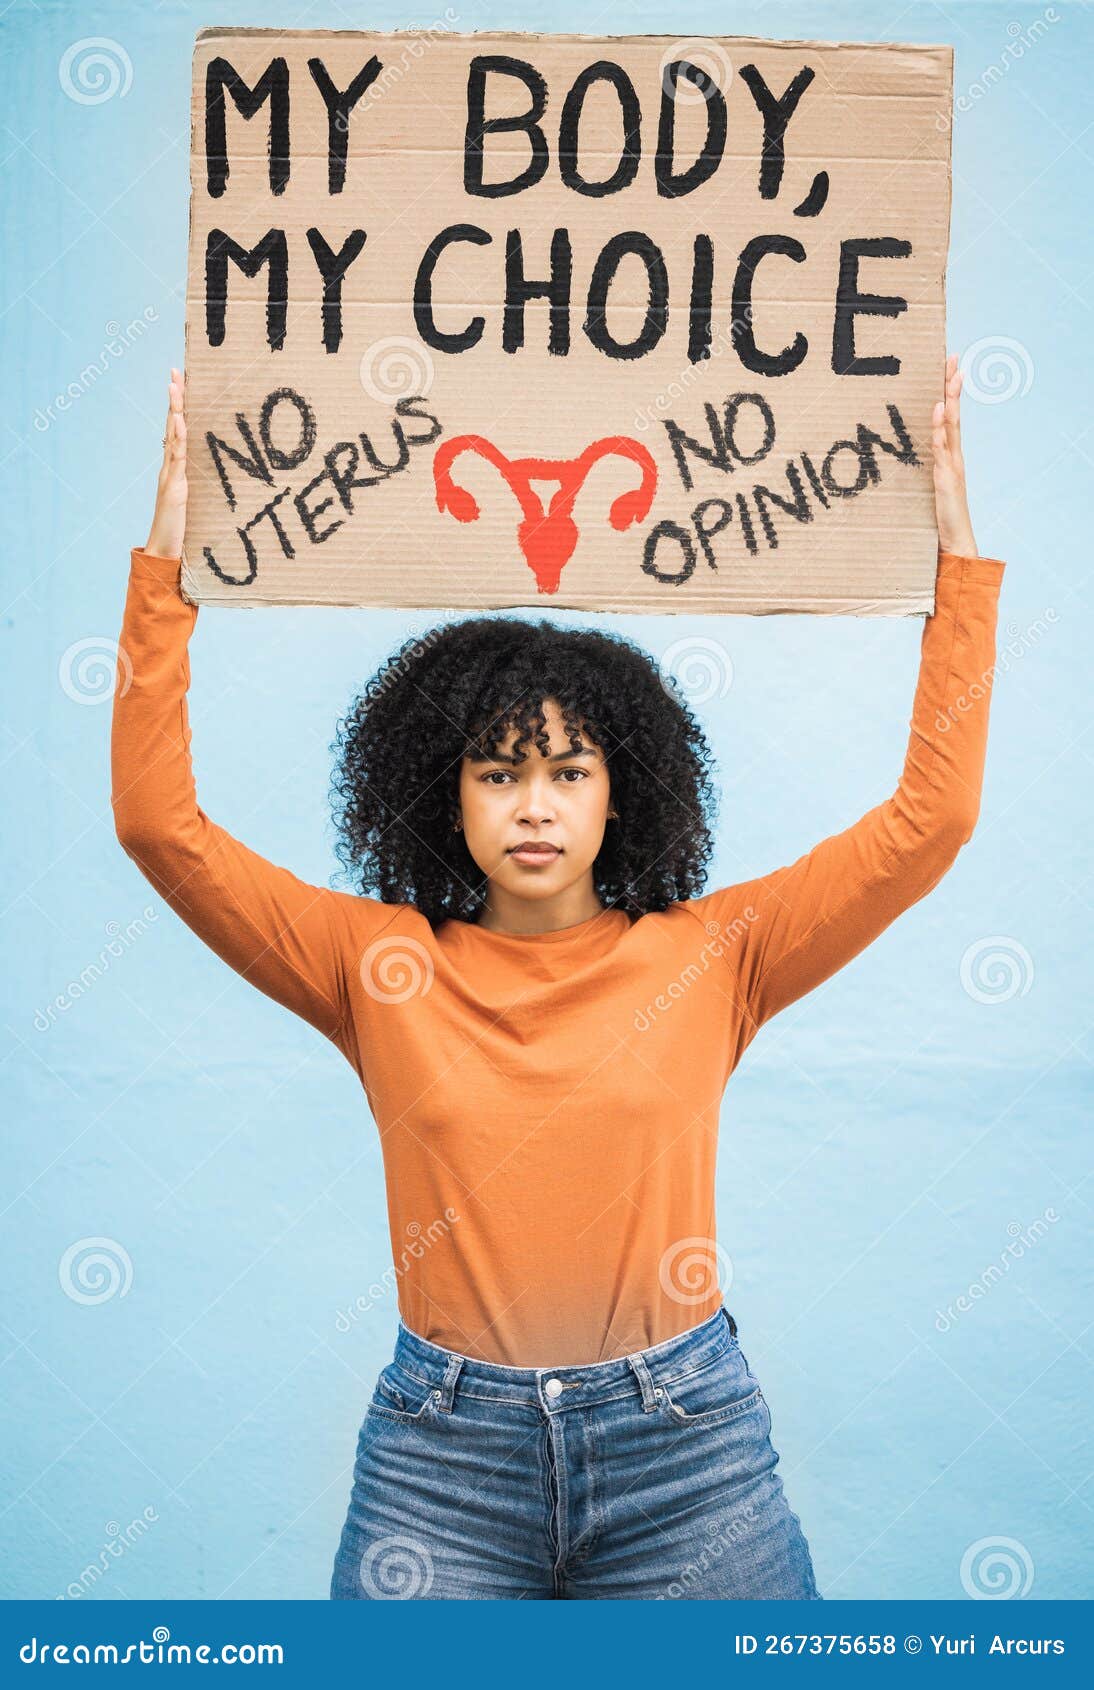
(670, 183)
(332, 267)
(440, 339)
(272, 250)
(339, 103)
(272, 85)
(479, 126)
(518, 290)
(850, 303)
(631, 152)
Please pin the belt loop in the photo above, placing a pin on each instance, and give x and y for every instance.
(645, 1380)
(448, 1384)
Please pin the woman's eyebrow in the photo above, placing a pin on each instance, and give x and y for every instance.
(476, 756)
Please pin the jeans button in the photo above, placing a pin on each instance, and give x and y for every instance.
(553, 1387)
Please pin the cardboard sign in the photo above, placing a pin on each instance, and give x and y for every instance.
(632, 323)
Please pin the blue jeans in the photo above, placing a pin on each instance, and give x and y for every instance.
(648, 1477)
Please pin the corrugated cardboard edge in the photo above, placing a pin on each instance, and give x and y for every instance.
(214, 32)
(186, 311)
(910, 605)
(949, 222)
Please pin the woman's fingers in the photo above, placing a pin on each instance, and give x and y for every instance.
(946, 421)
(957, 391)
(951, 505)
(167, 533)
(940, 445)
(953, 417)
(174, 434)
(169, 425)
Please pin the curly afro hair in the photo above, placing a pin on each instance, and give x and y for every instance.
(395, 788)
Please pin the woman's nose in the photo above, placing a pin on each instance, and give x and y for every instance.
(536, 807)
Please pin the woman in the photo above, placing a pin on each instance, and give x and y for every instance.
(544, 1010)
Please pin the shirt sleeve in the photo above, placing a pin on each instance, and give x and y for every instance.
(786, 932)
(292, 940)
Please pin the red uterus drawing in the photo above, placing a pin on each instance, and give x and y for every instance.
(547, 538)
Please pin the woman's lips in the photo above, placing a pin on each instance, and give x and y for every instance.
(535, 853)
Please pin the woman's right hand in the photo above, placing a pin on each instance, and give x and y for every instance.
(951, 502)
(169, 518)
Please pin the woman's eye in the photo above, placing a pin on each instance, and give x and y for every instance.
(496, 775)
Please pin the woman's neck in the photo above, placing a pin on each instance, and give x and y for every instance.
(504, 913)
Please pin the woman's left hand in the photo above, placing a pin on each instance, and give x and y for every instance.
(950, 498)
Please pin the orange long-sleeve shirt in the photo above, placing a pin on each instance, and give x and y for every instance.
(548, 1106)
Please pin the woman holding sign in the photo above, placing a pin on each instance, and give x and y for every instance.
(544, 1008)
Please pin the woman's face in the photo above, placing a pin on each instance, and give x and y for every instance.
(561, 799)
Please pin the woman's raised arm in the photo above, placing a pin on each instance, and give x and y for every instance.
(292, 940)
(787, 931)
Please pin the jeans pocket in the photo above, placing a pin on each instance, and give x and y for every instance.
(402, 1396)
(718, 1391)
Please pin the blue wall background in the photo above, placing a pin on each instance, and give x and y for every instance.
(884, 1142)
